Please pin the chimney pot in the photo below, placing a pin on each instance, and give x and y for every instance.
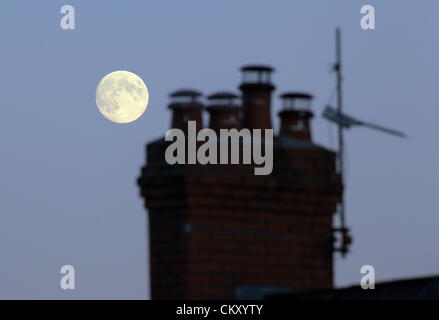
(296, 114)
(256, 90)
(224, 111)
(185, 106)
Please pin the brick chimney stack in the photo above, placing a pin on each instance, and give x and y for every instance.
(217, 231)
(256, 90)
(185, 106)
(224, 111)
(296, 115)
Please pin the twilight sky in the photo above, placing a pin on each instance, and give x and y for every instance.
(68, 175)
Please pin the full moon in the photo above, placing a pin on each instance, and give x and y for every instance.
(122, 96)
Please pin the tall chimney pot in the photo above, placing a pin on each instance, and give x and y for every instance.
(256, 90)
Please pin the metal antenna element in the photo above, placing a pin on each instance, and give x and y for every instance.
(346, 122)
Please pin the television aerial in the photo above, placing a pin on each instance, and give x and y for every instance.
(344, 121)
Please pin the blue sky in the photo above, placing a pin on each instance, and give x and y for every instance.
(68, 175)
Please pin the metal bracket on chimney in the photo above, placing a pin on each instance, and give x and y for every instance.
(342, 240)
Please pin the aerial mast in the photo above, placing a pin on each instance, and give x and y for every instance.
(345, 238)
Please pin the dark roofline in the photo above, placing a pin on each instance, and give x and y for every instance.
(413, 289)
